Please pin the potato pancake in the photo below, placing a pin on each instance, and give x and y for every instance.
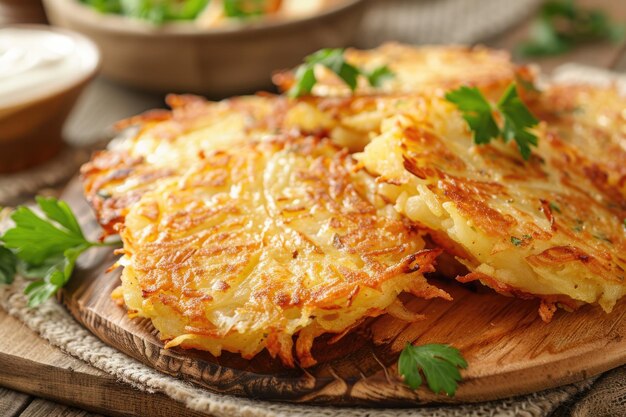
(538, 228)
(420, 69)
(262, 241)
(162, 144)
(592, 121)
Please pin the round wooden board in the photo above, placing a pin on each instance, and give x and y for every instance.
(510, 351)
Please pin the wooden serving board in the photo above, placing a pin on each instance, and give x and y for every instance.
(510, 351)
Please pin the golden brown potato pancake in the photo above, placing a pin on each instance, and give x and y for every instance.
(163, 144)
(591, 121)
(540, 228)
(263, 241)
(420, 69)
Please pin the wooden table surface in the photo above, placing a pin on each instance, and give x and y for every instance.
(109, 397)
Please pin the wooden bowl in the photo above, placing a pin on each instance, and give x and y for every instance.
(31, 124)
(21, 11)
(181, 57)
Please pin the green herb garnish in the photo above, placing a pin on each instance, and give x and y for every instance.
(8, 265)
(579, 226)
(516, 241)
(378, 76)
(155, 11)
(243, 9)
(43, 249)
(478, 113)
(562, 25)
(437, 363)
(334, 60)
(554, 207)
(601, 237)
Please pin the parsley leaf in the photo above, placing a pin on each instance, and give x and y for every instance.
(8, 265)
(562, 24)
(478, 113)
(554, 207)
(44, 249)
(517, 120)
(306, 80)
(377, 76)
(516, 241)
(437, 363)
(34, 239)
(61, 213)
(334, 60)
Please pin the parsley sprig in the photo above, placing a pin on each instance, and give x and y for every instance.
(478, 113)
(562, 24)
(334, 60)
(438, 364)
(43, 249)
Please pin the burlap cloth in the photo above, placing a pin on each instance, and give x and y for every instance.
(430, 21)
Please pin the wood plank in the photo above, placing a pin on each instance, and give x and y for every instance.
(31, 365)
(509, 349)
(43, 408)
(600, 54)
(12, 403)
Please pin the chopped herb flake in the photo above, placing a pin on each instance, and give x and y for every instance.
(554, 207)
(601, 237)
(579, 226)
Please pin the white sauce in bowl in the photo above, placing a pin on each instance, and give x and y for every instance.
(39, 62)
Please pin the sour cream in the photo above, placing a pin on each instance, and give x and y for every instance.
(36, 62)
